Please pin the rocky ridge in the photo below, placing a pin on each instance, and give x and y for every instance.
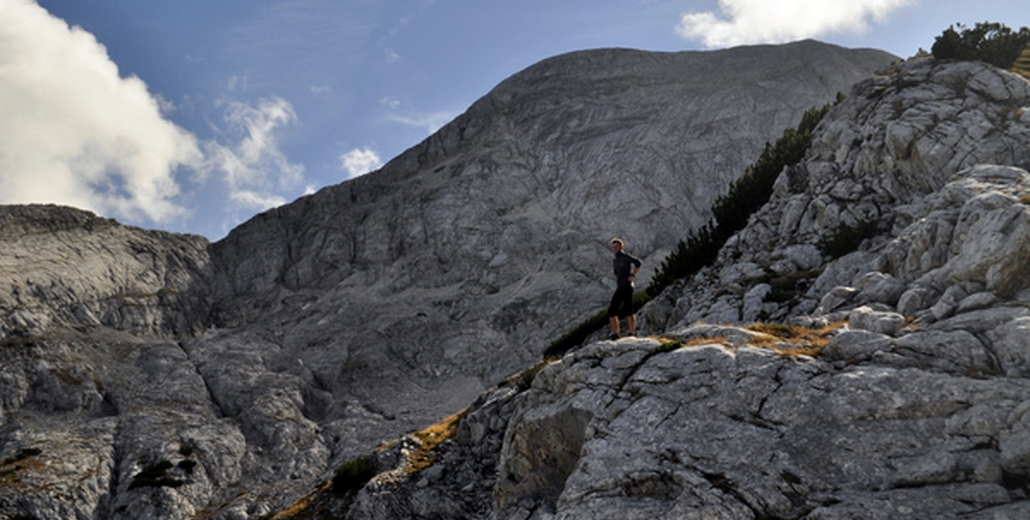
(63, 266)
(894, 384)
(151, 375)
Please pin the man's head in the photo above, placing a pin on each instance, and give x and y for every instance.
(617, 245)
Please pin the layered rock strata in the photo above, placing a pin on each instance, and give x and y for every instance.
(151, 375)
(893, 385)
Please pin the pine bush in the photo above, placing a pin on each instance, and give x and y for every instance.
(992, 43)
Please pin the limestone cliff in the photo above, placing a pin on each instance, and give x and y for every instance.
(152, 375)
(890, 384)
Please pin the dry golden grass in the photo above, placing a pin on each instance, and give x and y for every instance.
(786, 340)
(304, 507)
(421, 458)
(10, 469)
(1022, 64)
(431, 437)
(524, 379)
(793, 340)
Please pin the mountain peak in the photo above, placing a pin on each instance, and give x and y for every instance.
(320, 328)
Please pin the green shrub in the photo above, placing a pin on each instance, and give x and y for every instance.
(753, 189)
(524, 380)
(581, 332)
(668, 345)
(746, 196)
(847, 238)
(790, 287)
(352, 476)
(699, 250)
(992, 43)
(576, 336)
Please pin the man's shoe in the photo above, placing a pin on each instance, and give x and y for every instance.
(613, 337)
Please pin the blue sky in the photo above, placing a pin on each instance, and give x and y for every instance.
(194, 115)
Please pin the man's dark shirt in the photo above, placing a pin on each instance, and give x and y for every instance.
(623, 263)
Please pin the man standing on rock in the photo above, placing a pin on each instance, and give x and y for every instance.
(626, 268)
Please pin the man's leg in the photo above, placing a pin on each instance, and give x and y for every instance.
(613, 315)
(632, 324)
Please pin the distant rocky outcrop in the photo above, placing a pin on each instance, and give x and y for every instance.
(62, 266)
(153, 375)
(889, 382)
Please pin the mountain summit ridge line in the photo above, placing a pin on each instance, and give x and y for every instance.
(318, 329)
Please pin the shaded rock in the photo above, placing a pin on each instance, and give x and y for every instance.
(958, 352)
(835, 299)
(856, 345)
(1011, 341)
(916, 299)
(880, 288)
(929, 469)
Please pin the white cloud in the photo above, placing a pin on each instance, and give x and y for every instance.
(255, 170)
(430, 122)
(765, 21)
(237, 82)
(360, 161)
(391, 103)
(75, 132)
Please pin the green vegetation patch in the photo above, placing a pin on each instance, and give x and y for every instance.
(745, 197)
(992, 43)
(731, 212)
(668, 345)
(523, 380)
(352, 475)
(847, 238)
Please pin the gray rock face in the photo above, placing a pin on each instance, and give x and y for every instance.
(915, 403)
(945, 199)
(397, 298)
(63, 266)
(473, 250)
(151, 375)
(729, 431)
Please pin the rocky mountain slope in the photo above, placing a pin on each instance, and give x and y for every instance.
(152, 375)
(887, 382)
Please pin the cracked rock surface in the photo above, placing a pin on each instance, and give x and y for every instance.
(913, 401)
(153, 375)
(724, 431)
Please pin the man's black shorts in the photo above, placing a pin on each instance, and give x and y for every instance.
(622, 302)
